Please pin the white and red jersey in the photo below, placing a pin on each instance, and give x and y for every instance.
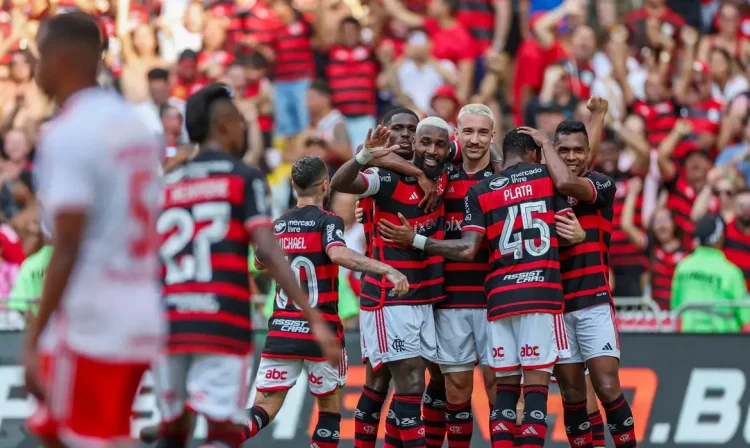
(98, 156)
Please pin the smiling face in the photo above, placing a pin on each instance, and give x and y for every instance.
(403, 128)
(663, 226)
(431, 149)
(475, 133)
(573, 149)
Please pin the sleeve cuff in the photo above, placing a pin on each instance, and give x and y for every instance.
(479, 229)
(334, 244)
(364, 177)
(257, 221)
(564, 211)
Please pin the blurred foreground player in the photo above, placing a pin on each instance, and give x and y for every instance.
(97, 167)
(313, 241)
(214, 207)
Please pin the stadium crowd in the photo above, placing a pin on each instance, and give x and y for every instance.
(312, 77)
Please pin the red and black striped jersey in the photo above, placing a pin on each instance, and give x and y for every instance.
(663, 264)
(737, 248)
(351, 74)
(210, 206)
(478, 17)
(464, 280)
(623, 253)
(706, 119)
(294, 53)
(392, 194)
(659, 118)
(515, 210)
(584, 267)
(680, 199)
(305, 235)
(259, 22)
(368, 223)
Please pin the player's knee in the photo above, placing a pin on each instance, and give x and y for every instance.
(408, 376)
(379, 381)
(458, 386)
(607, 387)
(330, 403)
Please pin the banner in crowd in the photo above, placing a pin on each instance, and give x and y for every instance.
(685, 390)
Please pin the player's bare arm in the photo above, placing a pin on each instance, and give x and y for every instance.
(347, 178)
(463, 249)
(354, 261)
(569, 230)
(69, 229)
(271, 256)
(598, 107)
(566, 182)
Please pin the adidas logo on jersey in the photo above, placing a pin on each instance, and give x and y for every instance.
(608, 347)
(530, 432)
(414, 197)
(451, 190)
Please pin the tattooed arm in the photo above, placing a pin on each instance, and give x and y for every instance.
(463, 250)
(354, 261)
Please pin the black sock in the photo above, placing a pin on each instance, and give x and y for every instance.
(503, 417)
(534, 423)
(409, 415)
(597, 429)
(577, 425)
(620, 422)
(433, 414)
(392, 434)
(326, 433)
(367, 417)
(459, 421)
(258, 419)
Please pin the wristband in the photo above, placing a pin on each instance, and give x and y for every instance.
(364, 156)
(419, 241)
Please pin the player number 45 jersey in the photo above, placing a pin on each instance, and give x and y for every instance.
(516, 210)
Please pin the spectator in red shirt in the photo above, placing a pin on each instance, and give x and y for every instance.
(213, 59)
(671, 22)
(293, 70)
(187, 79)
(450, 40)
(737, 242)
(729, 36)
(257, 90)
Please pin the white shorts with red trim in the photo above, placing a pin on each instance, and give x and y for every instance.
(394, 333)
(461, 338)
(282, 373)
(531, 341)
(215, 386)
(592, 333)
(91, 400)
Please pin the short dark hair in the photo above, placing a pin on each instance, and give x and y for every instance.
(158, 74)
(306, 172)
(188, 55)
(256, 60)
(199, 109)
(351, 20)
(452, 5)
(388, 117)
(569, 127)
(517, 144)
(321, 86)
(74, 28)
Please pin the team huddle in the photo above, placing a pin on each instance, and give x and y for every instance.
(473, 258)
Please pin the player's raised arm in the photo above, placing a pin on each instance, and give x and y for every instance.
(565, 180)
(354, 261)
(347, 178)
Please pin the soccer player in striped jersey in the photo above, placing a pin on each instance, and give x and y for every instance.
(589, 311)
(214, 206)
(523, 286)
(313, 241)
